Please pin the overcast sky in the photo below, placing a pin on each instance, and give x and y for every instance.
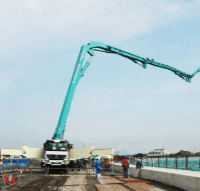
(117, 103)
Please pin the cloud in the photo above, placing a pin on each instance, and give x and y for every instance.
(30, 21)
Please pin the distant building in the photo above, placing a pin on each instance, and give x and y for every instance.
(158, 152)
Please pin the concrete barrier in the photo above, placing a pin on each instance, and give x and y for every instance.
(184, 179)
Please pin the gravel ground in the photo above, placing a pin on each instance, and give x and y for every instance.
(39, 182)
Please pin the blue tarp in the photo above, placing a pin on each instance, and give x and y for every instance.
(17, 162)
(7, 163)
(23, 162)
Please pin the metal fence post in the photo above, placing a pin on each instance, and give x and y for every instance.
(186, 162)
(199, 161)
(18, 176)
(151, 161)
(176, 162)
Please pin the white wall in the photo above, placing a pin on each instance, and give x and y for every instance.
(5, 151)
(103, 153)
(185, 179)
(34, 153)
(25, 151)
(80, 153)
(74, 153)
(86, 152)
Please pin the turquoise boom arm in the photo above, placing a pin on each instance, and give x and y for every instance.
(80, 69)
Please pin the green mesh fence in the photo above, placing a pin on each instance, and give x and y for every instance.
(193, 163)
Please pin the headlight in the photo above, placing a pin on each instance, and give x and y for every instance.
(46, 161)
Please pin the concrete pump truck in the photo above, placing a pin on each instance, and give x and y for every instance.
(57, 149)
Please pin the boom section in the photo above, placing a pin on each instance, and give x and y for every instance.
(98, 46)
(77, 74)
(80, 69)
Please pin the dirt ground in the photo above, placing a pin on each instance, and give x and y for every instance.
(39, 182)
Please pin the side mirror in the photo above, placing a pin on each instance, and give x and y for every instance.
(70, 146)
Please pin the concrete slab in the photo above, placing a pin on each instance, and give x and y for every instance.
(115, 187)
(142, 187)
(58, 175)
(108, 180)
(76, 180)
(132, 180)
(73, 188)
(76, 172)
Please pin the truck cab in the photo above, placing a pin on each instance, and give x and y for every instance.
(56, 153)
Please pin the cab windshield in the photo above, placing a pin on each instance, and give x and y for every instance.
(56, 147)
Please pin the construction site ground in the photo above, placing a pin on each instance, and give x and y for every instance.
(78, 181)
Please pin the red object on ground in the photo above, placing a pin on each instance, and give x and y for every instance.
(6, 179)
(13, 180)
(24, 170)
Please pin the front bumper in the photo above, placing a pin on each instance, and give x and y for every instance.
(47, 162)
